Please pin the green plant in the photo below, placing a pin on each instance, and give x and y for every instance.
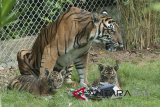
(56, 7)
(6, 14)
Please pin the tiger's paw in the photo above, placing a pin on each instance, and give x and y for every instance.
(82, 84)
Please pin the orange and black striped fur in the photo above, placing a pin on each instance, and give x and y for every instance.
(37, 86)
(66, 41)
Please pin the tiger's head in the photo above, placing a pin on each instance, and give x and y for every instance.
(55, 79)
(108, 73)
(107, 30)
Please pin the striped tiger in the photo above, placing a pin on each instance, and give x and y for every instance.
(67, 41)
(38, 86)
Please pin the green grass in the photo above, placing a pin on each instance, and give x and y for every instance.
(142, 80)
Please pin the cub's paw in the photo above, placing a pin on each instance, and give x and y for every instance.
(68, 81)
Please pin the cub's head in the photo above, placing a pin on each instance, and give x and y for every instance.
(55, 79)
(108, 73)
(107, 30)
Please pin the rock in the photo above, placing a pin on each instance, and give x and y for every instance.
(4, 65)
(1, 68)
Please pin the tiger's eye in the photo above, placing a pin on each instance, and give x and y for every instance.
(109, 22)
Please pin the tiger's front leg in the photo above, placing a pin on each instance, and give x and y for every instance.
(80, 65)
(68, 74)
(48, 61)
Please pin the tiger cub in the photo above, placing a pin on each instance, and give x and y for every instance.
(108, 74)
(37, 86)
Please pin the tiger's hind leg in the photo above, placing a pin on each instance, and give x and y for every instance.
(23, 57)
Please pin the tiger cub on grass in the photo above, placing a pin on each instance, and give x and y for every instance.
(108, 74)
(37, 86)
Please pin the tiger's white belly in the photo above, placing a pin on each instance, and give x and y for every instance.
(70, 56)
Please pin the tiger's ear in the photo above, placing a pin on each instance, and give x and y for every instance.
(95, 18)
(104, 13)
(100, 67)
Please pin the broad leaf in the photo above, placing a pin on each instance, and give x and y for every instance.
(7, 6)
(10, 18)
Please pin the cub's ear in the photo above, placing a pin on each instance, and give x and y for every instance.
(46, 72)
(116, 66)
(63, 72)
(100, 67)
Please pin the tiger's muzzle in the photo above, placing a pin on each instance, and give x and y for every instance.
(105, 38)
(114, 46)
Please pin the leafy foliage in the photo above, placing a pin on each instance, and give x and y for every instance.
(6, 14)
(55, 8)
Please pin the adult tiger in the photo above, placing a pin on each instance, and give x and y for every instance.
(66, 41)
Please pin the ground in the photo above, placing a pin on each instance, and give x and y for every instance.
(139, 74)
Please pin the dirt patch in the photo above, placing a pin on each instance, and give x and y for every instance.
(134, 56)
(6, 74)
